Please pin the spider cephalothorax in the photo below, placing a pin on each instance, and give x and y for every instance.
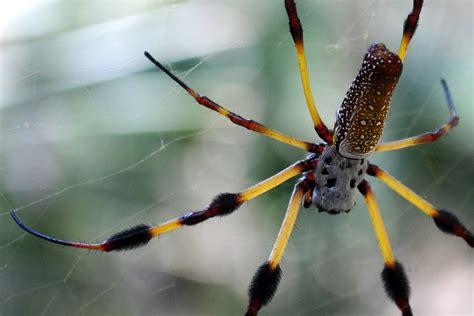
(330, 174)
(337, 181)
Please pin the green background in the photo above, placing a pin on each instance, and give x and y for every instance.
(95, 140)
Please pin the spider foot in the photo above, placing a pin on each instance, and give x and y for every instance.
(448, 223)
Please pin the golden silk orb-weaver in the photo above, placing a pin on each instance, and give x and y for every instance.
(331, 174)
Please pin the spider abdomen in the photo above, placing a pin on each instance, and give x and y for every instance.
(361, 117)
(337, 180)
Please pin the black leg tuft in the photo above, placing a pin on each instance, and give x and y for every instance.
(226, 203)
(396, 286)
(222, 205)
(448, 223)
(262, 288)
(134, 237)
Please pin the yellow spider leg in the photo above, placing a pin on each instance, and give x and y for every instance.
(267, 277)
(221, 205)
(426, 137)
(409, 28)
(297, 34)
(403, 190)
(444, 220)
(378, 224)
(393, 275)
(286, 228)
(235, 118)
(277, 179)
(165, 227)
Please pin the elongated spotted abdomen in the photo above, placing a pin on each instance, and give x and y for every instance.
(361, 117)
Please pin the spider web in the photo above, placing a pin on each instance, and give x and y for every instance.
(94, 140)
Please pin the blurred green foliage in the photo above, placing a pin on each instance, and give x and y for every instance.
(95, 140)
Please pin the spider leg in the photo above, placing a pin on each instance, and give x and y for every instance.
(235, 118)
(308, 200)
(393, 275)
(310, 180)
(297, 33)
(265, 281)
(409, 27)
(426, 137)
(221, 205)
(444, 220)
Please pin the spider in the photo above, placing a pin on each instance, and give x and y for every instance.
(331, 173)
